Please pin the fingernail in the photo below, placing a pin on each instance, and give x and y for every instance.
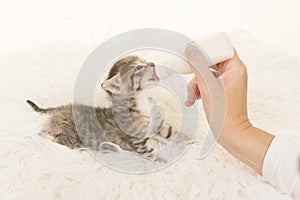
(189, 102)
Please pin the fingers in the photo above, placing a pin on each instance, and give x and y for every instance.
(196, 61)
(193, 92)
(200, 67)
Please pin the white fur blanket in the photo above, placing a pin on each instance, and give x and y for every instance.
(32, 167)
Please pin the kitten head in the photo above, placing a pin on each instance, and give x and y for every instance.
(129, 75)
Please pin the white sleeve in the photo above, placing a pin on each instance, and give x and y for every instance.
(281, 167)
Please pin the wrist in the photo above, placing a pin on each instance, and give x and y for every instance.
(248, 145)
(234, 128)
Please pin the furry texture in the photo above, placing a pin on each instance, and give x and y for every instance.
(32, 167)
(126, 79)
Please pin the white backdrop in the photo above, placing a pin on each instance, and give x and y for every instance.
(32, 167)
(29, 22)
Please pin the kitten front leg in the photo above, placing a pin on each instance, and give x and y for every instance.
(141, 126)
(153, 126)
(157, 116)
(144, 148)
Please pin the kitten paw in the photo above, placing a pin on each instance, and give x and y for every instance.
(157, 116)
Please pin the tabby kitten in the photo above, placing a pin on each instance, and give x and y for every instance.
(122, 123)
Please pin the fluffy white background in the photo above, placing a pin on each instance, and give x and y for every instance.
(29, 22)
(32, 167)
(43, 45)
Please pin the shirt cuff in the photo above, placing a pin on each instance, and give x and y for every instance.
(281, 166)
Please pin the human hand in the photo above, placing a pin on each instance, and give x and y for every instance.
(244, 141)
(232, 80)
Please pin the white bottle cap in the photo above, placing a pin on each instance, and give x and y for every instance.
(217, 48)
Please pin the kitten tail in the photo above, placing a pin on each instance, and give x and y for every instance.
(38, 109)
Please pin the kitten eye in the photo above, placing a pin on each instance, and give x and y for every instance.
(139, 67)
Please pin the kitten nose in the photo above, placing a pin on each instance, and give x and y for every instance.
(151, 64)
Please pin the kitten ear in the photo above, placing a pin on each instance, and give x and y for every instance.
(113, 84)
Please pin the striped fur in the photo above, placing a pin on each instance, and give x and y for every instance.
(122, 124)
